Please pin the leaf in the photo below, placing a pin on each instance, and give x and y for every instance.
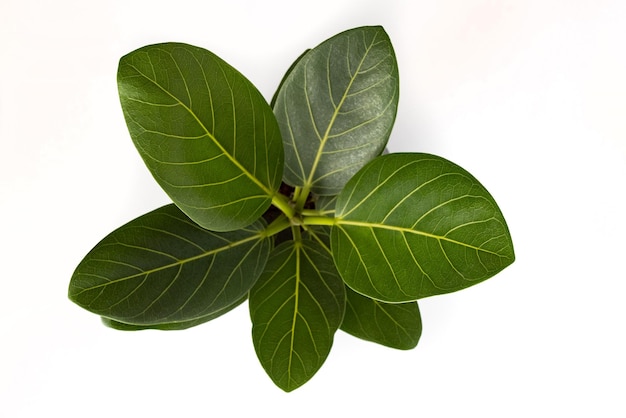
(162, 268)
(325, 203)
(205, 132)
(296, 307)
(336, 108)
(410, 226)
(282, 81)
(395, 325)
(172, 326)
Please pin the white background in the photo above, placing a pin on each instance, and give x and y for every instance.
(529, 96)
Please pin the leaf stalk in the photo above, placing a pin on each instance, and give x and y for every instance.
(280, 224)
(285, 206)
(319, 220)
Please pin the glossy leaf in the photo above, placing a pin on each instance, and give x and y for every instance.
(336, 108)
(205, 132)
(162, 268)
(396, 325)
(296, 307)
(282, 81)
(415, 225)
(172, 326)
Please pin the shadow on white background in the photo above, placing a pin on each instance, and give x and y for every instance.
(529, 97)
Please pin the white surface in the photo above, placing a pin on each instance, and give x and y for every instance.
(528, 96)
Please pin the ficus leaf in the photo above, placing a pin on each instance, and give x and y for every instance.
(396, 325)
(414, 225)
(336, 108)
(296, 307)
(172, 326)
(325, 203)
(282, 81)
(162, 268)
(205, 132)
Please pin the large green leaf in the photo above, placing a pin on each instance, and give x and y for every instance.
(172, 326)
(396, 325)
(162, 268)
(414, 225)
(336, 108)
(205, 132)
(296, 307)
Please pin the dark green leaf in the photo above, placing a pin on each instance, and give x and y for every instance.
(172, 326)
(319, 233)
(296, 307)
(396, 325)
(415, 225)
(337, 107)
(282, 81)
(163, 268)
(325, 203)
(205, 132)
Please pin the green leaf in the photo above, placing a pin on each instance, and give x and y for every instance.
(296, 307)
(414, 225)
(172, 326)
(395, 325)
(325, 203)
(336, 109)
(205, 132)
(282, 81)
(163, 268)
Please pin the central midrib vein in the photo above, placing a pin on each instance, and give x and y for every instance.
(231, 158)
(176, 263)
(339, 221)
(324, 139)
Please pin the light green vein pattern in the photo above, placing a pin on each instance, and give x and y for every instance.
(336, 108)
(204, 131)
(162, 268)
(410, 226)
(296, 307)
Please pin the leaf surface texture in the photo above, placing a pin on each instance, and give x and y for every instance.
(336, 108)
(162, 268)
(415, 225)
(205, 132)
(296, 307)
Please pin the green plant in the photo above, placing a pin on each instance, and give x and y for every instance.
(292, 206)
